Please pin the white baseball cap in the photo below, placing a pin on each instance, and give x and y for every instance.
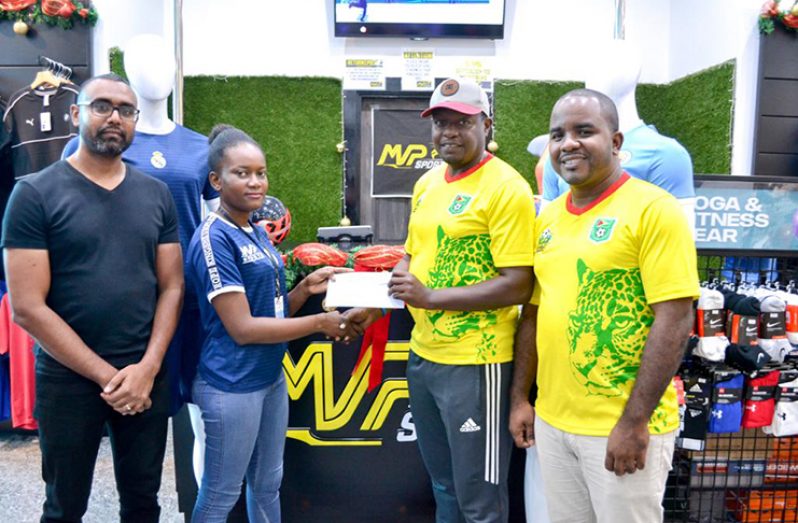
(459, 94)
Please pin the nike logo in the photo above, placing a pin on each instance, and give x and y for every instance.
(759, 357)
(774, 324)
(715, 323)
(750, 331)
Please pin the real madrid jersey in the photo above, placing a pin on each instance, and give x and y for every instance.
(646, 155)
(461, 230)
(598, 270)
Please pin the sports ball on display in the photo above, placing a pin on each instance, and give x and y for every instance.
(275, 218)
(319, 254)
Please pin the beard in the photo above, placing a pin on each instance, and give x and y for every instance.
(109, 146)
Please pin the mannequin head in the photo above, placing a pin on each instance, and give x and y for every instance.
(150, 66)
(614, 69)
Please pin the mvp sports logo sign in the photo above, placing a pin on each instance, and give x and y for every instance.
(330, 404)
(401, 152)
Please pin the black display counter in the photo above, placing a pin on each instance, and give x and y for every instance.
(351, 455)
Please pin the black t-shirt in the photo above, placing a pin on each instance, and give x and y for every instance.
(102, 246)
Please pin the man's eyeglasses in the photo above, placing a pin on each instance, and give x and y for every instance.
(461, 124)
(104, 109)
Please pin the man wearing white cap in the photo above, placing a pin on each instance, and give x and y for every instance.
(468, 264)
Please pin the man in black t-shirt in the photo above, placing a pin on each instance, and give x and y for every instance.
(94, 272)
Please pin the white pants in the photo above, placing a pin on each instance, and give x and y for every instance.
(580, 490)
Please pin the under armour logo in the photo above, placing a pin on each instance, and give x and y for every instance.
(782, 415)
(718, 414)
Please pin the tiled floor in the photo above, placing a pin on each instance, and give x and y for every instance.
(22, 490)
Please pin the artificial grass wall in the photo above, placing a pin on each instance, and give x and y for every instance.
(521, 111)
(696, 110)
(297, 121)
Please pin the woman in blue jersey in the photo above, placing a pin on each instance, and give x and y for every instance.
(240, 387)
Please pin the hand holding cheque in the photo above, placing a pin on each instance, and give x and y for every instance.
(372, 294)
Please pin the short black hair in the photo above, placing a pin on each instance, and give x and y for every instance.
(111, 77)
(607, 106)
(223, 137)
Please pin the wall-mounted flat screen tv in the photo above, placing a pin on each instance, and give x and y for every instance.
(420, 18)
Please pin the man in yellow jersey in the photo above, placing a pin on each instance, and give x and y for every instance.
(468, 265)
(615, 269)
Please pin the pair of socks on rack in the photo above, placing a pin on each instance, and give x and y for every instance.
(747, 358)
(772, 329)
(710, 326)
(785, 417)
(760, 400)
(698, 395)
(792, 317)
(727, 408)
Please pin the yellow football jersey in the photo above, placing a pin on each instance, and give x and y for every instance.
(461, 231)
(598, 269)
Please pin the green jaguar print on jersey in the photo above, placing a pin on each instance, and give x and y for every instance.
(459, 262)
(608, 330)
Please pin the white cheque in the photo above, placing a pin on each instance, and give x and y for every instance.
(361, 289)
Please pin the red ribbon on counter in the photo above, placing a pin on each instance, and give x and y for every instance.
(376, 337)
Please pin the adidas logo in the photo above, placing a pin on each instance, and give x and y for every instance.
(695, 388)
(469, 426)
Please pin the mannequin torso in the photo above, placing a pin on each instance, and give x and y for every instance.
(644, 154)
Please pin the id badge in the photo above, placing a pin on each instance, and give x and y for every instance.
(279, 309)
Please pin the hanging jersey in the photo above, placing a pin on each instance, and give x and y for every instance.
(646, 155)
(598, 270)
(19, 345)
(224, 259)
(37, 126)
(461, 231)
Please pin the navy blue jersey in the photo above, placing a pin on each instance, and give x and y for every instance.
(224, 258)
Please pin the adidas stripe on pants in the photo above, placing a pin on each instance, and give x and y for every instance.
(461, 417)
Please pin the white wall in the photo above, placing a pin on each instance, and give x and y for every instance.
(711, 32)
(544, 40)
(120, 21)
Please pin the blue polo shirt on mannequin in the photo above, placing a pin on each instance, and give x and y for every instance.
(645, 154)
